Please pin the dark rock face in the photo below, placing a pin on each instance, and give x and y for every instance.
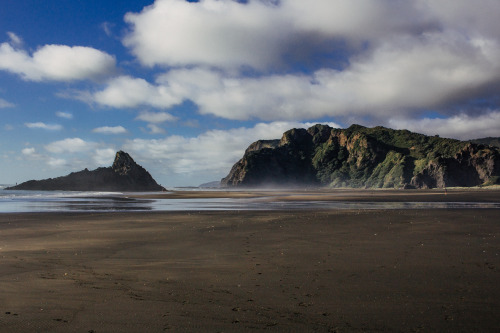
(123, 175)
(365, 158)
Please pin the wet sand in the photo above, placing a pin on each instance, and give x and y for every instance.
(360, 195)
(241, 271)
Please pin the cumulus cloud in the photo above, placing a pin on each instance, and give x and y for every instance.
(110, 130)
(104, 156)
(461, 126)
(207, 156)
(402, 75)
(31, 154)
(40, 125)
(56, 162)
(475, 19)
(373, 61)
(261, 34)
(72, 154)
(56, 62)
(128, 92)
(70, 145)
(28, 151)
(220, 33)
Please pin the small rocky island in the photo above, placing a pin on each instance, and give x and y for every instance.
(123, 175)
(361, 157)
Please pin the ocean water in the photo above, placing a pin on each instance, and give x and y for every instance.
(75, 201)
(47, 201)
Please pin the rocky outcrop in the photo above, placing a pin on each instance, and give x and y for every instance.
(365, 158)
(123, 175)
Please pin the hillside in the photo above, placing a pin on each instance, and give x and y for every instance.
(123, 175)
(362, 157)
(495, 142)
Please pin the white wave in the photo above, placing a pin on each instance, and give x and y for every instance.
(40, 195)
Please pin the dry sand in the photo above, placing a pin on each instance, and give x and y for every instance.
(293, 271)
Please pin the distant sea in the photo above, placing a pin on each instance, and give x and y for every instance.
(95, 201)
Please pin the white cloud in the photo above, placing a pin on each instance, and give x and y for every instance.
(155, 117)
(478, 18)
(208, 156)
(128, 92)
(31, 154)
(71, 155)
(104, 157)
(65, 115)
(56, 162)
(40, 125)
(402, 56)
(402, 75)
(461, 126)
(110, 130)
(28, 151)
(70, 145)
(5, 104)
(278, 97)
(155, 129)
(261, 34)
(220, 33)
(56, 62)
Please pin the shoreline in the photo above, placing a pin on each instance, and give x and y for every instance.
(362, 195)
(301, 270)
(220, 200)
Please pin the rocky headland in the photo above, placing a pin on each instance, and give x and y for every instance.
(361, 157)
(124, 175)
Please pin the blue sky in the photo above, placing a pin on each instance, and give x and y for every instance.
(185, 87)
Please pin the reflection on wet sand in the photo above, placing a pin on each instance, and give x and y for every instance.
(258, 200)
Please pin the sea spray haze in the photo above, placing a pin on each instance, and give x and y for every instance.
(362, 157)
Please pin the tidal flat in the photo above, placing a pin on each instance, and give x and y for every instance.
(300, 270)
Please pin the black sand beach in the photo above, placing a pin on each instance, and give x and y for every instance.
(230, 271)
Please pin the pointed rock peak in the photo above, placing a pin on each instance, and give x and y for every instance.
(123, 163)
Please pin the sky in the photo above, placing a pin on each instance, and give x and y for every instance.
(185, 86)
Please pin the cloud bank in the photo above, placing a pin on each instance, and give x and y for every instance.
(369, 61)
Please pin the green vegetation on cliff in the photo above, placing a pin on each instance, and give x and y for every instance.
(495, 142)
(366, 157)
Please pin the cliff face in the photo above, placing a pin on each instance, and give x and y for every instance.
(123, 175)
(367, 158)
